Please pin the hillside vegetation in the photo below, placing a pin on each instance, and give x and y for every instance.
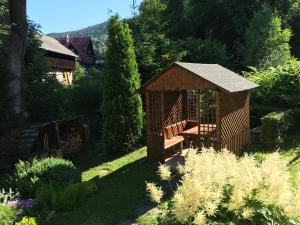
(98, 34)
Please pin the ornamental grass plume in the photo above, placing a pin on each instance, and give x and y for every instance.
(164, 172)
(155, 192)
(218, 185)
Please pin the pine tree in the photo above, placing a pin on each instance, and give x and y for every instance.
(122, 105)
(266, 42)
(154, 49)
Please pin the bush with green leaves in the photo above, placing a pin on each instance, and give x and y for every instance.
(278, 91)
(55, 171)
(27, 221)
(275, 126)
(218, 188)
(87, 92)
(8, 215)
(64, 198)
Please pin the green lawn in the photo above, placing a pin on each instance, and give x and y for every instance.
(121, 183)
(121, 188)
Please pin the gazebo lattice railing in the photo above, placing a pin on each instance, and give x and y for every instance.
(184, 109)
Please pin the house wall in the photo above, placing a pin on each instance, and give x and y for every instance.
(64, 77)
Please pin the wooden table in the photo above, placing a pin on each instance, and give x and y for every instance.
(206, 129)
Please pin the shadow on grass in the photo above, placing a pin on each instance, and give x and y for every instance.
(118, 196)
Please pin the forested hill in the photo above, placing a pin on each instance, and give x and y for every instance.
(92, 31)
(98, 34)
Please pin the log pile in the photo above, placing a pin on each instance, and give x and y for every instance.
(72, 143)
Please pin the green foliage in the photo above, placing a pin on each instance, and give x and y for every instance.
(29, 177)
(5, 102)
(148, 220)
(266, 42)
(27, 221)
(154, 49)
(275, 126)
(79, 72)
(5, 99)
(66, 198)
(45, 95)
(87, 92)
(279, 87)
(8, 215)
(205, 51)
(122, 105)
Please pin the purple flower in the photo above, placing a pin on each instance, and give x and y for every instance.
(19, 203)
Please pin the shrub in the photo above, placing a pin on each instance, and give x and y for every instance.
(56, 171)
(274, 128)
(218, 188)
(27, 221)
(67, 198)
(279, 87)
(8, 214)
(147, 220)
(86, 88)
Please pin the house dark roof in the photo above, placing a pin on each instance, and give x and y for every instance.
(52, 45)
(214, 74)
(81, 44)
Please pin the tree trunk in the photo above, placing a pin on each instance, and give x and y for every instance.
(17, 41)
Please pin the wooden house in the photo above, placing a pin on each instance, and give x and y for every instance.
(81, 46)
(61, 60)
(196, 105)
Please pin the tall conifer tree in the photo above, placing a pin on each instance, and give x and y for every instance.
(122, 105)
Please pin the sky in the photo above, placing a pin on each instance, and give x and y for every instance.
(69, 15)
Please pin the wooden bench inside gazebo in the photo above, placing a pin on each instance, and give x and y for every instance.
(194, 105)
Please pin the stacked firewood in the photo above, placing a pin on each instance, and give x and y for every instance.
(72, 142)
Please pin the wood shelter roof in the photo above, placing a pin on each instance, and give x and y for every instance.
(204, 75)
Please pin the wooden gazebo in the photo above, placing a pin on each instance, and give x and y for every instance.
(196, 105)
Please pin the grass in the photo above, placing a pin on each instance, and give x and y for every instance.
(121, 183)
(121, 189)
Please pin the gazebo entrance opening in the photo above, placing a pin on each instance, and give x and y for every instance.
(183, 118)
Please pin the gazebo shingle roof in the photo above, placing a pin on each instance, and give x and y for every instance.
(216, 75)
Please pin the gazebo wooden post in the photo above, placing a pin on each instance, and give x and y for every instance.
(147, 100)
(198, 108)
(162, 116)
(218, 121)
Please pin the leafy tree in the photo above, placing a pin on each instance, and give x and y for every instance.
(266, 42)
(176, 16)
(154, 49)
(205, 51)
(5, 97)
(122, 105)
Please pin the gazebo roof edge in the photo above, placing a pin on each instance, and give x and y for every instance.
(213, 73)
